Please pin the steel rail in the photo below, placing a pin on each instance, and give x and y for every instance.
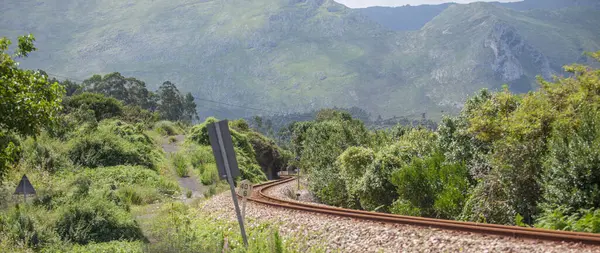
(260, 196)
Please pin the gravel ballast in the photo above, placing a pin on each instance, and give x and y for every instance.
(352, 235)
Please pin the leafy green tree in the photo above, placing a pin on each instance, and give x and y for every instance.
(171, 105)
(436, 188)
(352, 165)
(189, 109)
(103, 107)
(28, 101)
(129, 91)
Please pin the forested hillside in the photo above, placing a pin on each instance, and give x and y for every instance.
(297, 56)
(520, 159)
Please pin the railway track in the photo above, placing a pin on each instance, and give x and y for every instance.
(259, 195)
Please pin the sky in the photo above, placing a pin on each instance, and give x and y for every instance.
(368, 3)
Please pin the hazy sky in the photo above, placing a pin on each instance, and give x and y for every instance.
(367, 3)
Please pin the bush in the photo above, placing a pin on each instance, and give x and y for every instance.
(106, 149)
(562, 218)
(212, 190)
(571, 172)
(209, 175)
(180, 164)
(353, 164)
(239, 125)
(328, 187)
(21, 227)
(44, 154)
(135, 114)
(167, 128)
(200, 156)
(130, 176)
(96, 220)
(268, 155)
(375, 188)
(9, 152)
(245, 154)
(103, 107)
(436, 188)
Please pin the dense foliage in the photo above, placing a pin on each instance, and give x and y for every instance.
(28, 101)
(528, 159)
(96, 156)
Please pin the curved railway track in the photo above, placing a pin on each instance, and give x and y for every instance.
(259, 195)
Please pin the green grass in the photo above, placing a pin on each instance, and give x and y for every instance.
(180, 164)
(181, 228)
(209, 174)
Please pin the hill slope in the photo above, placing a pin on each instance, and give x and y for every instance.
(412, 18)
(298, 55)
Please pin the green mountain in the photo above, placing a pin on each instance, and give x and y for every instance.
(411, 18)
(299, 55)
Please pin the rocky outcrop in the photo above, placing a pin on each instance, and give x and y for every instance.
(512, 54)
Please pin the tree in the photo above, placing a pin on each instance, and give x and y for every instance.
(129, 90)
(28, 101)
(171, 103)
(189, 108)
(103, 107)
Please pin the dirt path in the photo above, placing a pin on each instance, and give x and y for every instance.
(145, 214)
(190, 183)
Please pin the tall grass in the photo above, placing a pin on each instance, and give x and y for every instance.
(209, 174)
(180, 164)
(179, 228)
(167, 128)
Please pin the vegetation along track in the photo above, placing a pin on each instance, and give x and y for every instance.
(259, 196)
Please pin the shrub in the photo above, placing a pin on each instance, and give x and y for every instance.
(166, 128)
(436, 188)
(20, 227)
(103, 107)
(209, 175)
(9, 152)
(180, 164)
(268, 155)
(44, 153)
(96, 220)
(239, 125)
(353, 164)
(106, 149)
(200, 156)
(375, 188)
(212, 190)
(133, 176)
(562, 218)
(135, 114)
(328, 187)
(133, 133)
(245, 154)
(571, 172)
(130, 195)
